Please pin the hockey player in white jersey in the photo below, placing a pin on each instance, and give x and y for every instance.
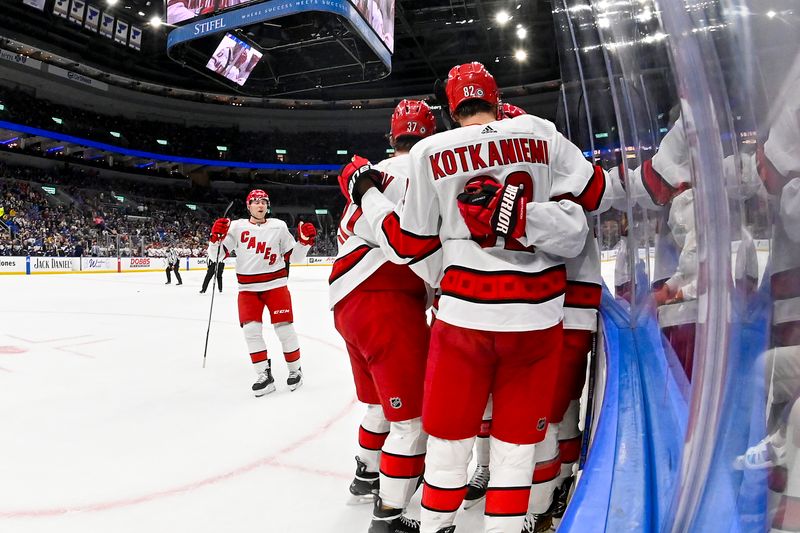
(264, 249)
(502, 200)
(388, 345)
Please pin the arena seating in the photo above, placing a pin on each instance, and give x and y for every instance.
(87, 217)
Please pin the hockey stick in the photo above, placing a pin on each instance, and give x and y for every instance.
(213, 283)
(588, 421)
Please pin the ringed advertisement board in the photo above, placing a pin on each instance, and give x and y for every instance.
(96, 265)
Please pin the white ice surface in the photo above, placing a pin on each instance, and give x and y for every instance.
(109, 423)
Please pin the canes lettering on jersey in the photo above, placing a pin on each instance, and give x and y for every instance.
(260, 247)
(263, 253)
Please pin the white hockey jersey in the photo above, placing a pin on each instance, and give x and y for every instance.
(584, 277)
(263, 253)
(505, 285)
(779, 166)
(359, 254)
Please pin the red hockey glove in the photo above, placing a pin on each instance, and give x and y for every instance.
(357, 177)
(220, 229)
(306, 233)
(664, 295)
(489, 208)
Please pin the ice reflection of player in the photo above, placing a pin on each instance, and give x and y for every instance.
(778, 165)
(662, 184)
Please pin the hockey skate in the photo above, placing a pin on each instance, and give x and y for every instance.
(391, 521)
(476, 488)
(364, 488)
(560, 501)
(265, 383)
(535, 523)
(769, 452)
(295, 379)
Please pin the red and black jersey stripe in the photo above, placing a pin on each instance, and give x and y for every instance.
(346, 263)
(406, 244)
(248, 279)
(785, 284)
(591, 195)
(583, 294)
(402, 466)
(370, 440)
(504, 287)
(442, 500)
(659, 189)
(507, 501)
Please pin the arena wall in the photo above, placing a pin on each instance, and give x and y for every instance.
(107, 265)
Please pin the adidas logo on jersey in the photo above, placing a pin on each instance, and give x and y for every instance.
(488, 129)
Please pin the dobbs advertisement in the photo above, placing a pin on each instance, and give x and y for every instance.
(142, 263)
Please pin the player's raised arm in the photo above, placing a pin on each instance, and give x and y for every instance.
(402, 233)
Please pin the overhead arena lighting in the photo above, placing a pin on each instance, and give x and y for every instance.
(112, 2)
(502, 17)
(522, 33)
(771, 14)
(155, 22)
(520, 55)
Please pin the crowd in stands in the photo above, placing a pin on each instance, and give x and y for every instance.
(308, 147)
(92, 215)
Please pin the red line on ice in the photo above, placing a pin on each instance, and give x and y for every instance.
(272, 460)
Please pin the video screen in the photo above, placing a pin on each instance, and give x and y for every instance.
(380, 15)
(182, 10)
(234, 59)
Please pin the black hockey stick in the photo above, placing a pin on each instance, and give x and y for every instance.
(214, 280)
(440, 96)
(589, 420)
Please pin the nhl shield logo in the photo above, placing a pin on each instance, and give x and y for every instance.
(541, 424)
(396, 402)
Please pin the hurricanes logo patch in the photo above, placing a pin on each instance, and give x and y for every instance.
(541, 424)
(396, 402)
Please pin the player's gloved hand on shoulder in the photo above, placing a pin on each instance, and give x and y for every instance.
(357, 177)
(490, 208)
(306, 233)
(665, 295)
(219, 229)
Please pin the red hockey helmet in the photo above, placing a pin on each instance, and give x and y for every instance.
(470, 81)
(510, 111)
(413, 118)
(257, 194)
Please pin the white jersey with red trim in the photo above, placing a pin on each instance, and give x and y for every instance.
(584, 277)
(779, 163)
(504, 285)
(263, 253)
(657, 180)
(359, 255)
